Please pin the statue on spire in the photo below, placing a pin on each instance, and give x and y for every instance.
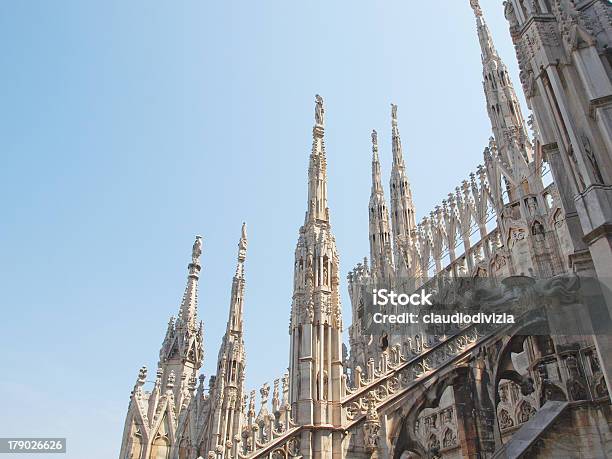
(394, 114)
(196, 251)
(242, 245)
(374, 140)
(319, 111)
(475, 4)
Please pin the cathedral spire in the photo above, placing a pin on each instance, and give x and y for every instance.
(315, 326)
(507, 122)
(380, 237)
(398, 154)
(317, 171)
(484, 34)
(189, 305)
(235, 321)
(182, 353)
(376, 176)
(228, 390)
(402, 208)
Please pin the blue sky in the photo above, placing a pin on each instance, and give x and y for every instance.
(128, 127)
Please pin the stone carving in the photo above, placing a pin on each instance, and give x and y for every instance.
(196, 251)
(476, 7)
(319, 111)
(450, 439)
(371, 425)
(505, 421)
(526, 412)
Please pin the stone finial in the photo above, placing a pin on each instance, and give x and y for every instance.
(252, 403)
(264, 392)
(242, 244)
(285, 381)
(276, 396)
(374, 140)
(319, 111)
(196, 251)
(394, 114)
(142, 375)
(244, 402)
(201, 380)
(475, 4)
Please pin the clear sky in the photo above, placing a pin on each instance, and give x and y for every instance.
(128, 127)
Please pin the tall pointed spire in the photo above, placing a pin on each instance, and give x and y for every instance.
(317, 170)
(402, 208)
(380, 229)
(398, 154)
(376, 176)
(182, 353)
(315, 327)
(507, 122)
(189, 305)
(484, 34)
(235, 321)
(228, 390)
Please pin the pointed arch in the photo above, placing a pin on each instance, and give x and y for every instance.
(160, 446)
(135, 443)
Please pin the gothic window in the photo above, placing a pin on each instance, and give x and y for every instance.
(135, 448)
(545, 345)
(384, 342)
(184, 449)
(537, 228)
(160, 449)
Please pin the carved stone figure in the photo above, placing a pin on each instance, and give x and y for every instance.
(319, 111)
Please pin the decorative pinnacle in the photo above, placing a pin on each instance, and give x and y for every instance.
(475, 4)
(374, 140)
(394, 114)
(319, 111)
(196, 251)
(242, 244)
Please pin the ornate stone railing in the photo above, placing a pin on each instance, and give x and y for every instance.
(396, 377)
(285, 445)
(272, 425)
